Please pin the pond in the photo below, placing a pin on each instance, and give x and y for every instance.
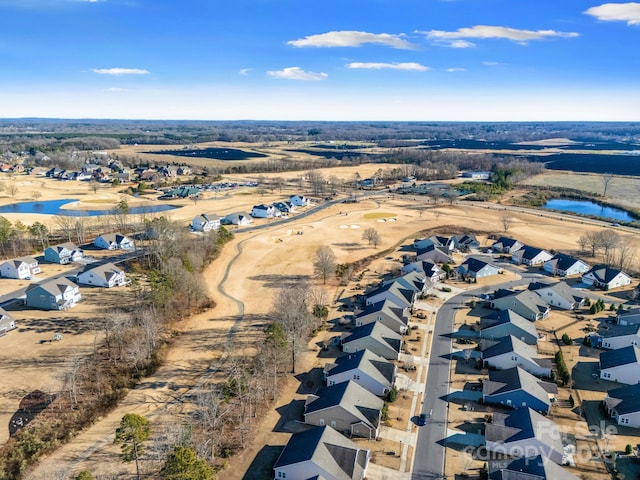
(585, 207)
(52, 207)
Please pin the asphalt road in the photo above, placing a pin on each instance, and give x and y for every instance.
(431, 442)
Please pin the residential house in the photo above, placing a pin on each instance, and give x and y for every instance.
(565, 265)
(623, 404)
(524, 302)
(20, 268)
(628, 317)
(606, 278)
(434, 253)
(537, 467)
(507, 322)
(508, 352)
(113, 241)
(63, 253)
(239, 218)
(54, 294)
(168, 171)
(375, 337)
(321, 453)
(391, 315)
(299, 200)
(6, 322)
(412, 281)
(205, 222)
(428, 268)
(393, 291)
(506, 245)
(464, 243)
(106, 275)
(524, 433)
(475, 268)
(369, 370)
(285, 207)
(265, 211)
(559, 295)
(347, 407)
(517, 388)
(531, 256)
(621, 365)
(184, 170)
(613, 337)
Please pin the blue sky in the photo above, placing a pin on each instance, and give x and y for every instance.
(465, 60)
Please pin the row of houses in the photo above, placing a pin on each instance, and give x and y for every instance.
(356, 384)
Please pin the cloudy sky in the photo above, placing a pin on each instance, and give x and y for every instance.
(487, 60)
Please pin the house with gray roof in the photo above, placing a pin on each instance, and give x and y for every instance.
(63, 253)
(507, 322)
(6, 322)
(393, 291)
(369, 370)
(623, 405)
(558, 295)
(621, 365)
(464, 242)
(238, 218)
(113, 241)
(54, 294)
(508, 352)
(22, 268)
(393, 316)
(375, 337)
(506, 245)
(106, 275)
(524, 302)
(347, 407)
(205, 222)
(536, 467)
(428, 268)
(565, 265)
(605, 278)
(628, 317)
(476, 268)
(613, 337)
(322, 453)
(436, 240)
(531, 256)
(524, 433)
(517, 388)
(433, 252)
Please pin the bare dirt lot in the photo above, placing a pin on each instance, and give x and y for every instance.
(258, 264)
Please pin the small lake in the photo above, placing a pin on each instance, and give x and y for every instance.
(585, 207)
(52, 207)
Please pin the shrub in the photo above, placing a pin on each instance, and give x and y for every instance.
(563, 371)
(628, 450)
(567, 339)
(393, 395)
(84, 475)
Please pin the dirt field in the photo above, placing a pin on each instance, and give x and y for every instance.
(258, 263)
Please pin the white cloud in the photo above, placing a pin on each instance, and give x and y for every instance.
(622, 12)
(351, 38)
(490, 64)
(461, 44)
(495, 32)
(244, 71)
(116, 89)
(296, 73)
(456, 69)
(120, 71)
(393, 66)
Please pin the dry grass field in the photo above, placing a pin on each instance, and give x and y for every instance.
(250, 270)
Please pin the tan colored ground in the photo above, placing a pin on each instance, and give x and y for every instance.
(268, 260)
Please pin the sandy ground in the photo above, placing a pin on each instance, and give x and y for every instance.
(259, 263)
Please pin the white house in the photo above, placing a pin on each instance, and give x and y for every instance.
(508, 352)
(628, 317)
(606, 278)
(394, 292)
(265, 211)
(621, 365)
(20, 268)
(240, 218)
(565, 265)
(367, 369)
(205, 222)
(559, 295)
(506, 245)
(386, 312)
(113, 241)
(616, 336)
(299, 200)
(106, 275)
(428, 268)
(623, 404)
(531, 256)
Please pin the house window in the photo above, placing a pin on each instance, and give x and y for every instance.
(514, 358)
(356, 377)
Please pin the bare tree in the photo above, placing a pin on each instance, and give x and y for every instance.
(375, 240)
(625, 256)
(324, 263)
(609, 241)
(65, 224)
(12, 189)
(436, 214)
(370, 234)
(591, 240)
(606, 180)
(506, 221)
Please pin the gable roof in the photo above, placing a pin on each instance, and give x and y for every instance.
(473, 264)
(613, 331)
(507, 344)
(525, 298)
(529, 253)
(367, 362)
(208, 217)
(396, 289)
(624, 399)
(537, 467)
(55, 286)
(62, 246)
(29, 260)
(116, 238)
(502, 317)
(336, 454)
(506, 242)
(604, 274)
(387, 307)
(563, 262)
(516, 378)
(106, 270)
(562, 289)
(377, 331)
(355, 399)
(622, 356)
(522, 424)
